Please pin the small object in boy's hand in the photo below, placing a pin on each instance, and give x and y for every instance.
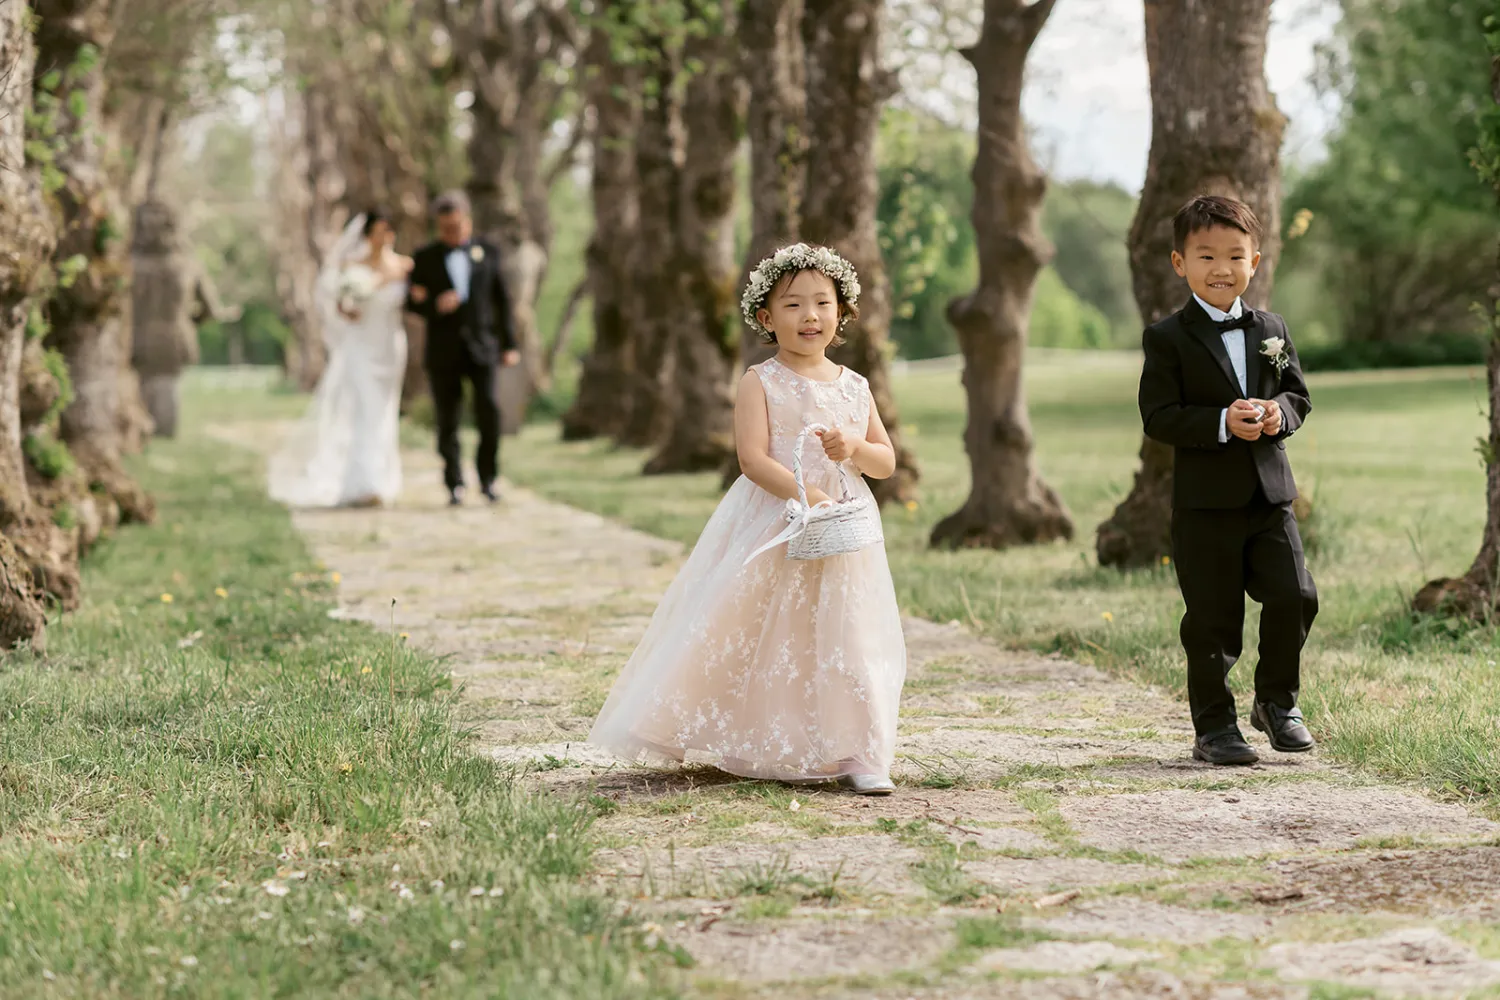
(1260, 412)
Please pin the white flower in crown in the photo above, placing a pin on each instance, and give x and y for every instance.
(476, 253)
(797, 257)
(1275, 349)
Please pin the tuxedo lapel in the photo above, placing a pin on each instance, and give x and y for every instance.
(1207, 333)
(1255, 370)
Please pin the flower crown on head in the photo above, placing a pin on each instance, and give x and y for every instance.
(798, 257)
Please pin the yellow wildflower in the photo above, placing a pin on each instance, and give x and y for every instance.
(1108, 616)
(367, 669)
(911, 505)
(346, 768)
(406, 635)
(336, 578)
(1166, 560)
(166, 598)
(220, 593)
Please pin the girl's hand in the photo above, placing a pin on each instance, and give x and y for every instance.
(837, 447)
(816, 496)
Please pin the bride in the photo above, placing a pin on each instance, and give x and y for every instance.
(346, 452)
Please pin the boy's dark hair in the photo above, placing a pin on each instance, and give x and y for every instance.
(1209, 210)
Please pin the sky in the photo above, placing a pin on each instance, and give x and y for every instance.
(1089, 103)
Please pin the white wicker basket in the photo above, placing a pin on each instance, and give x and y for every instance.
(828, 529)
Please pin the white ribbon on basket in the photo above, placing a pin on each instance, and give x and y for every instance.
(798, 512)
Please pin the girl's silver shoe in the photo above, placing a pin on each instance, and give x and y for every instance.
(868, 784)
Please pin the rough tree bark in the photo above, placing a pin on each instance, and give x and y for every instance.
(26, 241)
(1215, 129)
(300, 218)
(164, 295)
(604, 388)
(701, 434)
(1477, 592)
(1008, 502)
(85, 313)
(846, 88)
(509, 49)
(770, 35)
(132, 139)
(653, 267)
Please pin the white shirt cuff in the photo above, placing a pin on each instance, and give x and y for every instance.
(1224, 426)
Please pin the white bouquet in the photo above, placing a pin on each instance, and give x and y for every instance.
(356, 284)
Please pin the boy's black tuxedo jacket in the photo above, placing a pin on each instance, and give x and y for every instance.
(1188, 380)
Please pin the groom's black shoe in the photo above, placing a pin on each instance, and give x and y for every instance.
(1224, 748)
(456, 496)
(1284, 726)
(490, 493)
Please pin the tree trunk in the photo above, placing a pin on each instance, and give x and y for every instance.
(701, 436)
(604, 388)
(1477, 592)
(775, 65)
(846, 89)
(1008, 502)
(1215, 129)
(85, 312)
(510, 47)
(26, 241)
(654, 270)
(297, 223)
(163, 298)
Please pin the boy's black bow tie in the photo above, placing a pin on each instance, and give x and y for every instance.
(1244, 321)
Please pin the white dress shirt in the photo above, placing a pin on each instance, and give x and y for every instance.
(1234, 344)
(460, 270)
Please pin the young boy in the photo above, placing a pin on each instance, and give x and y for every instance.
(1222, 386)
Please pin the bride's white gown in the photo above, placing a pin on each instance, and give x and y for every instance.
(347, 449)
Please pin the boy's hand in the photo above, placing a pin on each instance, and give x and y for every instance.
(418, 294)
(1244, 420)
(1270, 424)
(837, 447)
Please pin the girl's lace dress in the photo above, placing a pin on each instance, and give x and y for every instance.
(778, 669)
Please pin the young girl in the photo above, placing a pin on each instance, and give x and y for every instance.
(768, 667)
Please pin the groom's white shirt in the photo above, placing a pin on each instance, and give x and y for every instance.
(460, 270)
(1234, 343)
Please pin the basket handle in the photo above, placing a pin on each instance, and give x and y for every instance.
(797, 465)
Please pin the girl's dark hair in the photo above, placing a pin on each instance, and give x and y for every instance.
(373, 217)
(848, 311)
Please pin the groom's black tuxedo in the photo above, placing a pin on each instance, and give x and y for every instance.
(1233, 531)
(466, 344)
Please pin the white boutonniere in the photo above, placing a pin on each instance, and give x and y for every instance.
(476, 253)
(1275, 349)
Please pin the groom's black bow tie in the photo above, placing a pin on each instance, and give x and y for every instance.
(1244, 321)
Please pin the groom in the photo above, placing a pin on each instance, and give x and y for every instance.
(457, 288)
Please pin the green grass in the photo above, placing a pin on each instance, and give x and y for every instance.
(232, 795)
(1388, 458)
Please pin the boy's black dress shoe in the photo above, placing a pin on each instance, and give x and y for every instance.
(1284, 726)
(490, 493)
(456, 496)
(1224, 748)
